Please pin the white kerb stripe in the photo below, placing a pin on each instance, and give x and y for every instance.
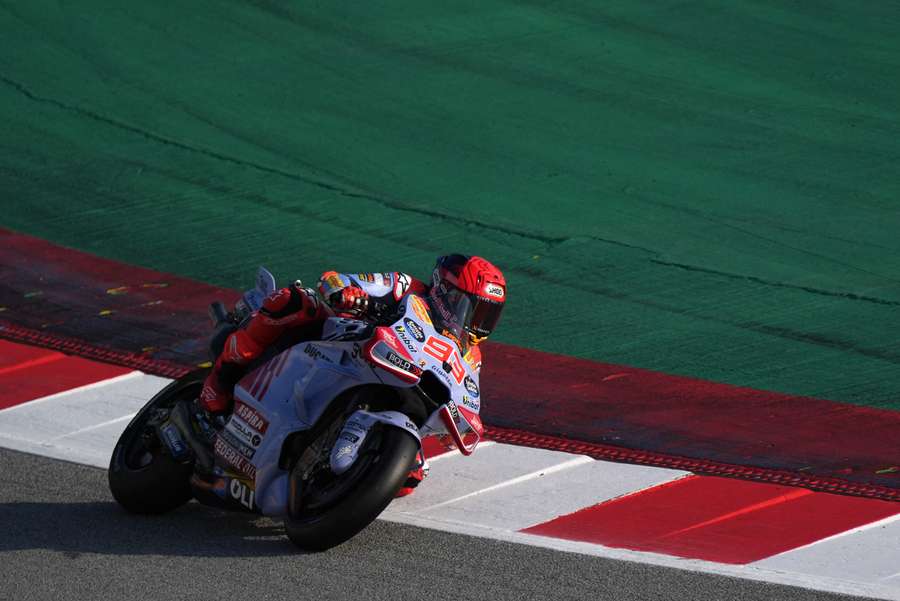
(581, 459)
(876, 524)
(65, 393)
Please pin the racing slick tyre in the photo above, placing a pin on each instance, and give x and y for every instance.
(143, 477)
(346, 504)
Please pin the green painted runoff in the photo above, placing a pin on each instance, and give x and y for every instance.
(703, 188)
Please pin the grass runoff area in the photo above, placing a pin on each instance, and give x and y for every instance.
(704, 188)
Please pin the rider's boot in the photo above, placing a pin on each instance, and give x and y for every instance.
(216, 397)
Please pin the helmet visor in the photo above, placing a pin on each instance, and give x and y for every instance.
(460, 312)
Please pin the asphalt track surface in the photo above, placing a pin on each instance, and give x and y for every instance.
(64, 536)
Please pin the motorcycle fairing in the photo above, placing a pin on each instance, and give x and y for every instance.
(441, 355)
(291, 391)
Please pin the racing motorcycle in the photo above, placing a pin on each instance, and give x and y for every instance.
(323, 433)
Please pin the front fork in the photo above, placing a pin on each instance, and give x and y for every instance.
(345, 451)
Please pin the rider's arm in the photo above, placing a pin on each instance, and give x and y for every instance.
(341, 290)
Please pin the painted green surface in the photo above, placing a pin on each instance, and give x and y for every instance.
(701, 188)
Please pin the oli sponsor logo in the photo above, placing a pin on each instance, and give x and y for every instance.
(242, 493)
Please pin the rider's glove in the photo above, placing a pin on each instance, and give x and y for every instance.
(350, 300)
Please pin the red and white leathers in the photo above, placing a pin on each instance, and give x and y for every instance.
(296, 314)
(292, 311)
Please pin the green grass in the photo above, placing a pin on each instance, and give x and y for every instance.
(706, 189)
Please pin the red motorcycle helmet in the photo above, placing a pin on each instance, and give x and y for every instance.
(467, 296)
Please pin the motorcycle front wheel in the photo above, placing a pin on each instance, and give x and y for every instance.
(143, 478)
(315, 522)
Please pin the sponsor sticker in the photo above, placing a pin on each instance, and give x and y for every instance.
(477, 425)
(242, 493)
(334, 281)
(415, 330)
(401, 334)
(251, 417)
(399, 361)
(233, 458)
(419, 308)
(235, 442)
(316, 354)
(366, 277)
(494, 291)
(472, 386)
(454, 410)
(173, 441)
(440, 373)
(241, 430)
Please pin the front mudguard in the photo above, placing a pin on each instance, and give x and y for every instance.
(356, 429)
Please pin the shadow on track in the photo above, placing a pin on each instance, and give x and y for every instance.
(105, 528)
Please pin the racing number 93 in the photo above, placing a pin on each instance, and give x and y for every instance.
(446, 353)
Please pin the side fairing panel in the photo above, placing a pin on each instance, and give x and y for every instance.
(285, 395)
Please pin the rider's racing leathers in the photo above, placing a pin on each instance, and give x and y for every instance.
(295, 313)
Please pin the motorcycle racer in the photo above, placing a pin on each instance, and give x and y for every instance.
(466, 295)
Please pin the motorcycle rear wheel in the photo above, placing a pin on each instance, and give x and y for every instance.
(372, 492)
(143, 478)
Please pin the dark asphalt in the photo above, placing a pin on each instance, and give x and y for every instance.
(65, 538)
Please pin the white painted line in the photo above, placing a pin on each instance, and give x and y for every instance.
(458, 475)
(493, 494)
(876, 524)
(580, 460)
(81, 424)
(71, 391)
(536, 500)
(115, 420)
(750, 572)
(867, 554)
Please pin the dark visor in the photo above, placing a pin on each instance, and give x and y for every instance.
(460, 312)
